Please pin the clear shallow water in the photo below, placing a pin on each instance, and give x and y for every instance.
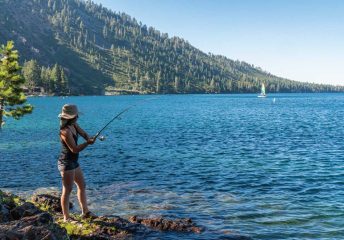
(236, 164)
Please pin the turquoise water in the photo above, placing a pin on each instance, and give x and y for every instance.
(236, 164)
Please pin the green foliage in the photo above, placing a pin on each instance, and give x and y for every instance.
(12, 97)
(10, 199)
(43, 207)
(101, 48)
(32, 74)
(80, 227)
(53, 80)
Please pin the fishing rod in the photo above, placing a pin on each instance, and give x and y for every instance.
(102, 138)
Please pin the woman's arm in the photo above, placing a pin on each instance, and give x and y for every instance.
(67, 136)
(81, 132)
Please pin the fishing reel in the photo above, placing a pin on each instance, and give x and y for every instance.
(101, 138)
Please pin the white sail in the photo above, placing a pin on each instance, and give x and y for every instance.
(262, 93)
(263, 89)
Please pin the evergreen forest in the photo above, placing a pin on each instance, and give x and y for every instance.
(79, 47)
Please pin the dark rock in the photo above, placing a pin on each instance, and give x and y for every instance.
(28, 222)
(117, 227)
(49, 201)
(40, 219)
(6, 204)
(37, 227)
(7, 200)
(27, 209)
(4, 213)
(178, 225)
(10, 235)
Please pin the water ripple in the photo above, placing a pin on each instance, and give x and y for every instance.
(239, 165)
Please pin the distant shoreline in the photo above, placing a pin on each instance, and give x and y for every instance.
(142, 94)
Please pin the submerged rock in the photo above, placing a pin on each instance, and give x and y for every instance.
(179, 225)
(105, 228)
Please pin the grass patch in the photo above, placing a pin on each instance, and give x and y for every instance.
(10, 199)
(42, 207)
(80, 227)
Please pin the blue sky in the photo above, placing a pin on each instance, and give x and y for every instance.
(301, 40)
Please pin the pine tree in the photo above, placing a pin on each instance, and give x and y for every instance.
(64, 82)
(212, 85)
(137, 78)
(158, 78)
(32, 74)
(12, 97)
(55, 76)
(176, 84)
(45, 77)
(105, 32)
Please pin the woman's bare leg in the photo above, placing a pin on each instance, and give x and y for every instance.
(67, 186)
(80, 183)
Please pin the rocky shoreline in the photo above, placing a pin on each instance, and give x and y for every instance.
(40, 218)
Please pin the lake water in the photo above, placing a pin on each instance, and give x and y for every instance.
(236, 164)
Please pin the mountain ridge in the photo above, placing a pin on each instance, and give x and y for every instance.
(102, 50)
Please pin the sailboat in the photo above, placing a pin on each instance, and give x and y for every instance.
(262, 93)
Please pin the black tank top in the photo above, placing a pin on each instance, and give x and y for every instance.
(66, 153)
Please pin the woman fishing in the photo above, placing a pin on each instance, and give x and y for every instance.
(68, 161)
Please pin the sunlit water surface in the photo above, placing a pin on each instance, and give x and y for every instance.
(236, 164)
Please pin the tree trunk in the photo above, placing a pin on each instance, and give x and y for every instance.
(1, 110)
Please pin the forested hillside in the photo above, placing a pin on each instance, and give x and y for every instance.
(100, 49)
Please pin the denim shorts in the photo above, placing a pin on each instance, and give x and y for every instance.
(66, 165)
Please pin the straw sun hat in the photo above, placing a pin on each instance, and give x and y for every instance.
(69, 111)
